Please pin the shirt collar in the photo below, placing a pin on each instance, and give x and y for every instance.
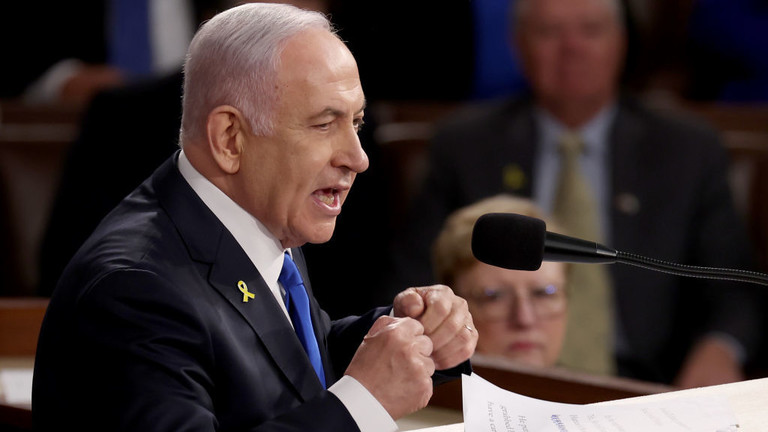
(264, 249)
(594, 132)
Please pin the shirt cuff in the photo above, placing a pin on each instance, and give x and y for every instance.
(367, 412)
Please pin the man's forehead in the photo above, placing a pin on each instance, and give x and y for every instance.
(312, 45)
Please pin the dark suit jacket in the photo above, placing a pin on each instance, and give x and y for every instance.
(669, 200)
(148, 330)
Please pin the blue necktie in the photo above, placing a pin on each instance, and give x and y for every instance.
(130, 48)
(297, 303)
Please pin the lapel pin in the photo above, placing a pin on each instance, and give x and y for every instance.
(244, 289)
(513, 177)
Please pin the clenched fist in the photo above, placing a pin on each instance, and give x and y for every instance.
(446, 320)
(393, 363)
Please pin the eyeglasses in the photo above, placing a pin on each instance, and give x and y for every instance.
(494, 304)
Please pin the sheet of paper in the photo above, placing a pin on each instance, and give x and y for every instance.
(488, 408)
(16, 386)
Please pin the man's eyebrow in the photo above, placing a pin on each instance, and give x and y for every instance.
(330, 111)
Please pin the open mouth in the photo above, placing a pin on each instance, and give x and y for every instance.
(329, 196)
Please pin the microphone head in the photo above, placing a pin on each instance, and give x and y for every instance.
(509, 240)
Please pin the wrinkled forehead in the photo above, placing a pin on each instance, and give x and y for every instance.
(316, 58)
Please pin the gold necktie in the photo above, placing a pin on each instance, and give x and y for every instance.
(588, 342)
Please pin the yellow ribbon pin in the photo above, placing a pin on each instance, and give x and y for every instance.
(244, 289)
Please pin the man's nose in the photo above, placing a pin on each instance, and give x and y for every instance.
(351, 153)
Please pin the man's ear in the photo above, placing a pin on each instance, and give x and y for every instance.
(226, 129)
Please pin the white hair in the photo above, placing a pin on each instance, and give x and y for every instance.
(233, 60)
(520, 8)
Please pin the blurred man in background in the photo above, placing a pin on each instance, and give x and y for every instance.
(656, 186)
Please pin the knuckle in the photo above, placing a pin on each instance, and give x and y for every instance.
(440, 306)
(457, 324)
(462, 302)
(466, 351)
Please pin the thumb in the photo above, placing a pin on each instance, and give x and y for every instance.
(409, 303)
(380, 324)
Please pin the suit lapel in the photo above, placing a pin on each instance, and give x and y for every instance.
(263, 314)
(209, 241)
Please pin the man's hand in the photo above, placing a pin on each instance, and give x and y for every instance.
(710, 362)
(393, 363)
(446, 320)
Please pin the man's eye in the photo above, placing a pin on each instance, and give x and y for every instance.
(323, 126)
(358, 124)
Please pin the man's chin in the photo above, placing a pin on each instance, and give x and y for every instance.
(322, 235)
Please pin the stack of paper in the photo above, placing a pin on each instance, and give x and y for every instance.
(488, 408)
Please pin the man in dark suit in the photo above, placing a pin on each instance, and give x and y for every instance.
(174, 315)
(660, 183)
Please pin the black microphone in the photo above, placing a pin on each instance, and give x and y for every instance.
(518, 242)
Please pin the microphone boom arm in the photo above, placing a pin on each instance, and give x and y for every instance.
(692, 271)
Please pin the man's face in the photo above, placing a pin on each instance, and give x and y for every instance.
(572, 50)
(296, 180)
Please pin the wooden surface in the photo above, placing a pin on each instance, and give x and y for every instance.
(20, 320)
(557, 385)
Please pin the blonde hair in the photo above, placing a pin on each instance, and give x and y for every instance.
(452, 250)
